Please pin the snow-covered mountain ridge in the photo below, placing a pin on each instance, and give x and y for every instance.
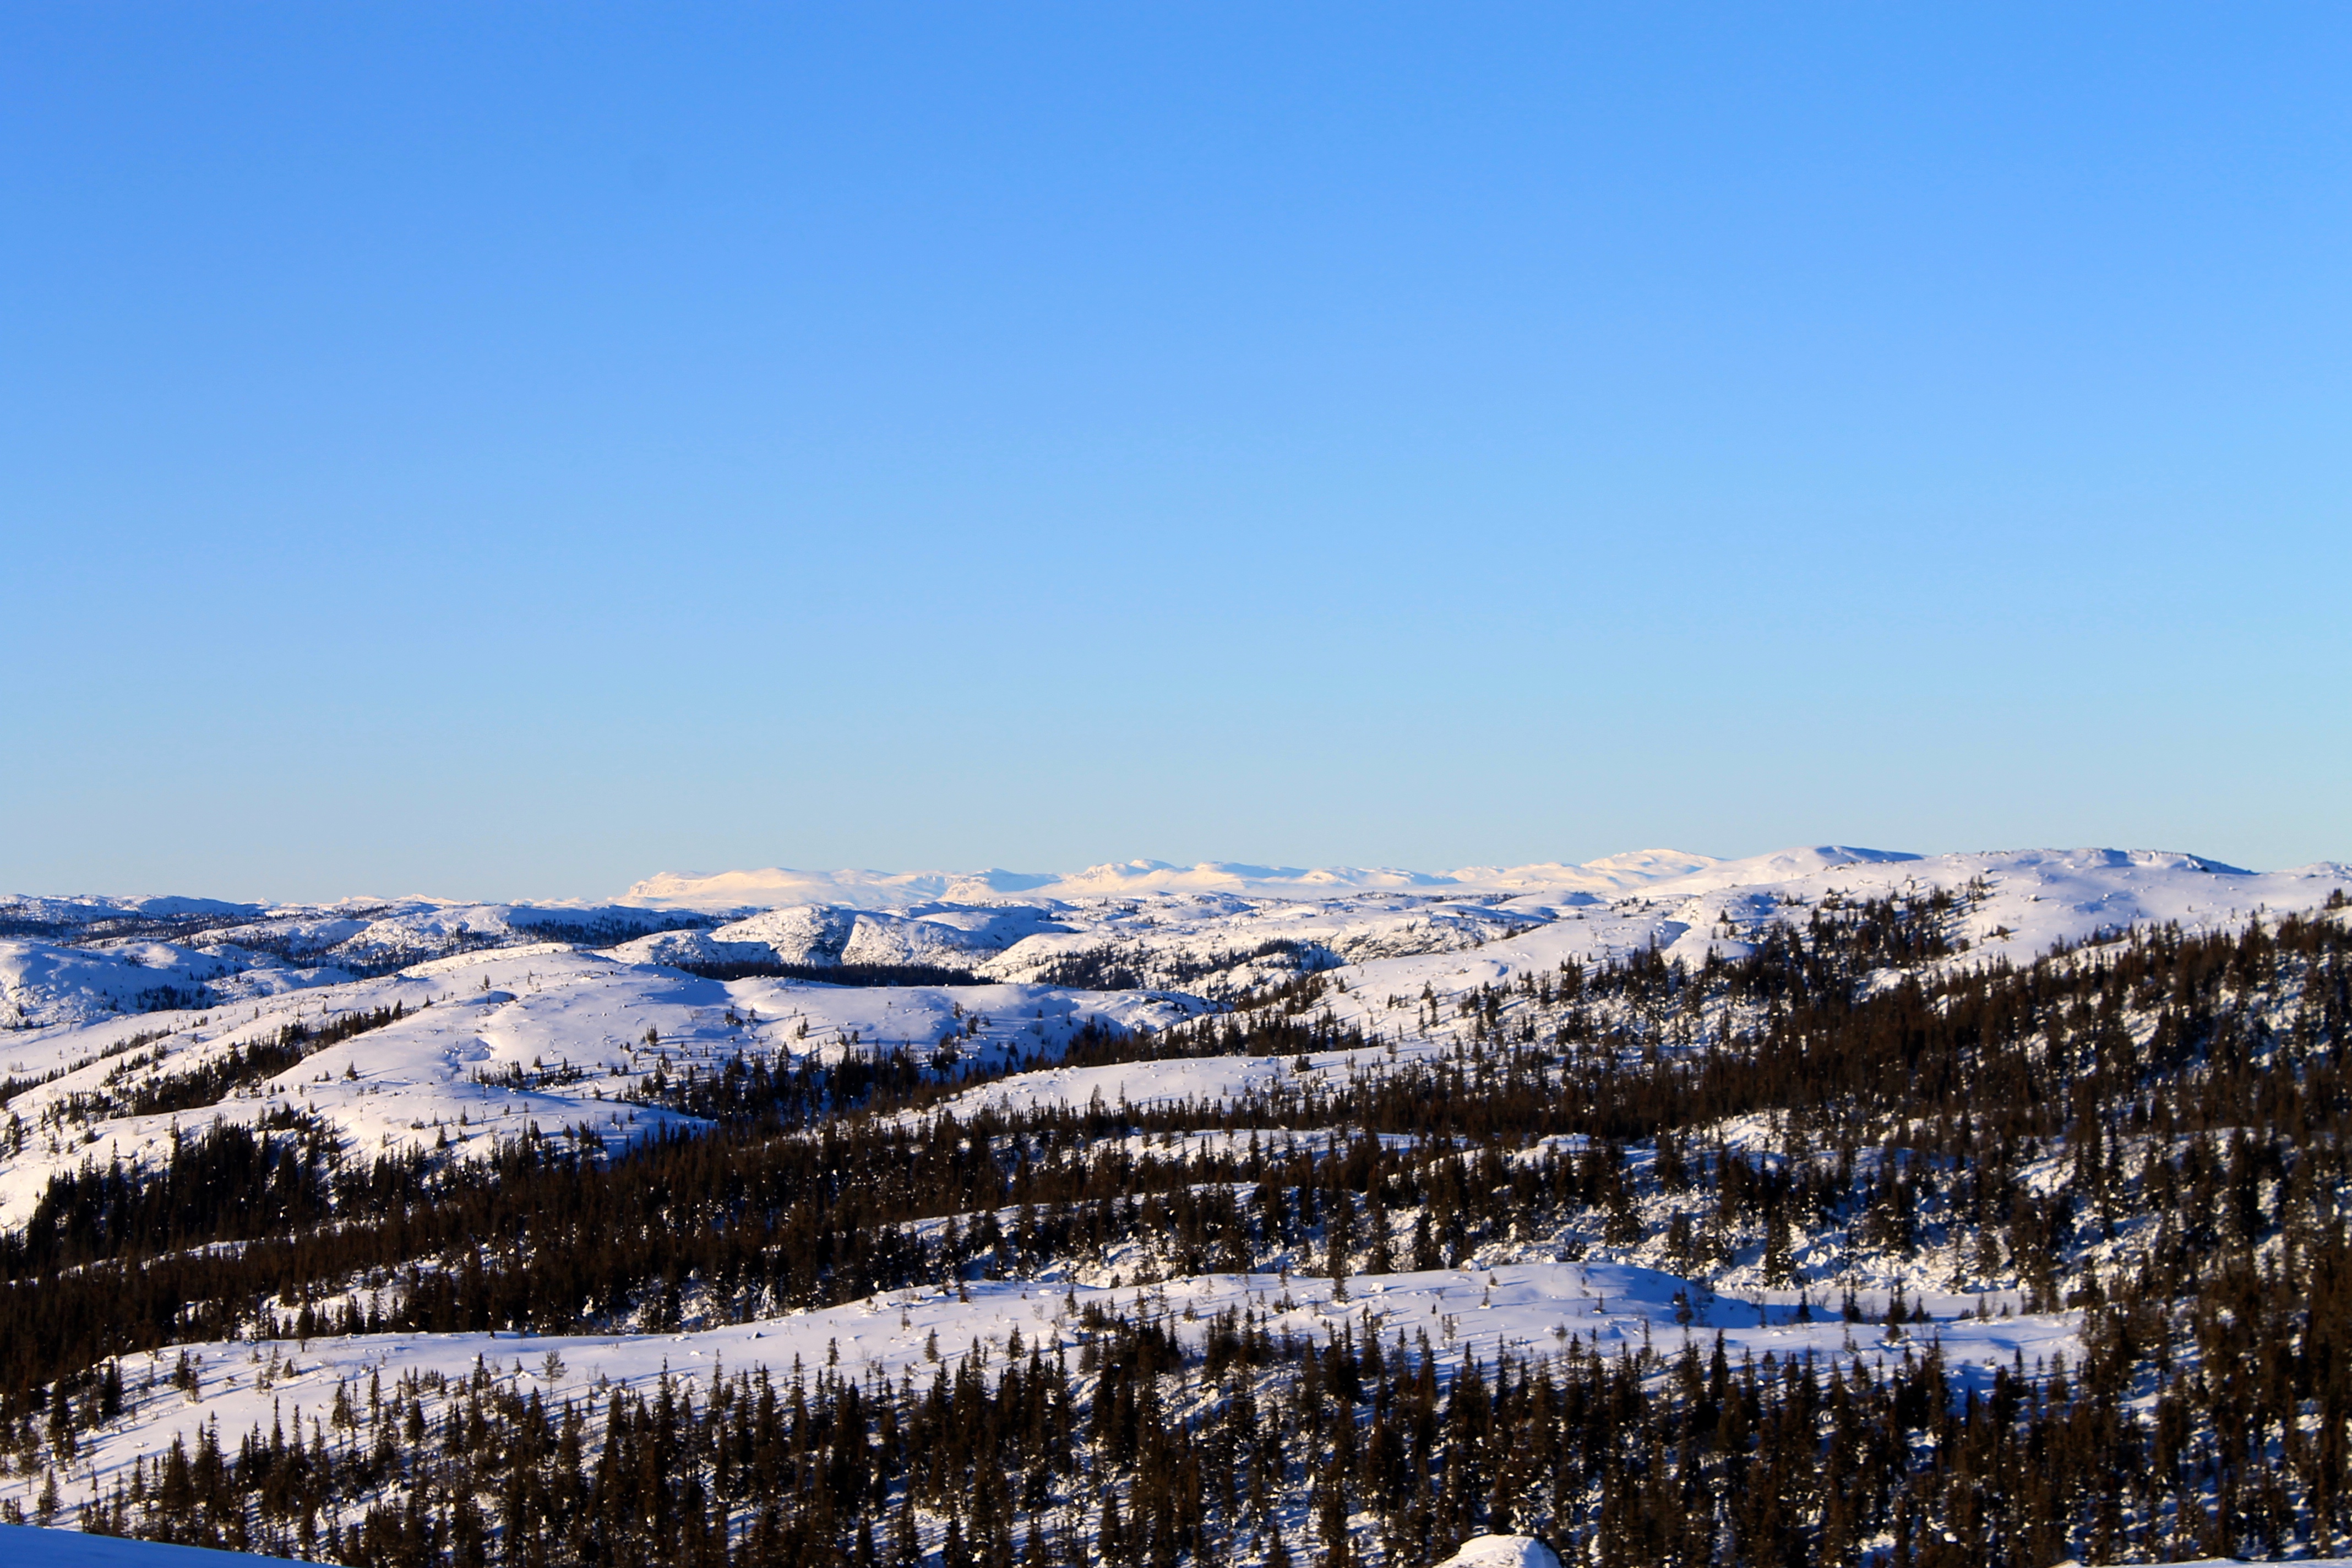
(1217, 929)
(502, 1032)
(1129, 879)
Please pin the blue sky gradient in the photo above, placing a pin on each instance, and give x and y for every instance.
(508, 451)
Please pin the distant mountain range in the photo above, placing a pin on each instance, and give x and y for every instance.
(1122, 879)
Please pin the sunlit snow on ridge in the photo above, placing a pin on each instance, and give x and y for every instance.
(1127, 879)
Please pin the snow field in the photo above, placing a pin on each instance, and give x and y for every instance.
(27, 1546)
(1503, 1551)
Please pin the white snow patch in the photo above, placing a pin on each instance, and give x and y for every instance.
(1503, 1551)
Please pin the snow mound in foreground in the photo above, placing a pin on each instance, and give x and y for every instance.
(25, 1546)
(1503, 1551)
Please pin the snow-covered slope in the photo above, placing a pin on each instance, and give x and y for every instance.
(522, 1032)
(2006, 906)
(19, 909)
(28, 1546)
(248, 1386)
(41, 982)
(1181, 923)
(496, 1043)
(1215, 929)
(946, 935)
(1503, 1551)
(420, 1026)
(75, 961)
(2009, 905)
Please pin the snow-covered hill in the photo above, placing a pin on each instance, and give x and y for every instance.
(1215, 929)
(1469, 1315)
(502, 1031)
(494, 1044)
(1200, 919)
(1827, 1233)
(29, 1546)
(82, 960)
(1503, 1551)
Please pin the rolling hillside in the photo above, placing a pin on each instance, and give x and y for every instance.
(1833, 1205)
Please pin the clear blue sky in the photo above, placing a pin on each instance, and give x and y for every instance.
(510, 450)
